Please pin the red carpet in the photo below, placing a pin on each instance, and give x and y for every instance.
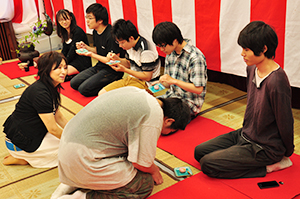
(182, 143)
(13, 71)
(289, 189)
(199, 186)
(204, 187)
(74, 94)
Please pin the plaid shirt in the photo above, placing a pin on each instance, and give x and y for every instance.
(189, 66)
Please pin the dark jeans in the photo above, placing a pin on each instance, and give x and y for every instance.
(90, 81)
(232, 156)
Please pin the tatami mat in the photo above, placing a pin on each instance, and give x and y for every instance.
(10, 174)
(18, 182)
(6, 87)
(218, 93)
(296, 113)
(231, 115)
(39, 186)
(168, 181)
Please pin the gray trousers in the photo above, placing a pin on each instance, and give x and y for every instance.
(139, 188)
(232, 156)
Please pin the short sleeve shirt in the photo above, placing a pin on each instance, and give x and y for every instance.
(24, 127)
(144, 57)
(100, 143)
(189, 66)
(105, 43)
(80, 62)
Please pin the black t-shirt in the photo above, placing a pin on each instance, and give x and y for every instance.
(24, 127)
(104, 44)
(80, 62)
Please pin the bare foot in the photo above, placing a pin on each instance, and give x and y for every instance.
(284, 163)
(10, 160)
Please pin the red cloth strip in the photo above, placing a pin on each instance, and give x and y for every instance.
(129, 11)
(273, 14)
(79, 12)
(207, 37)
(18, 17)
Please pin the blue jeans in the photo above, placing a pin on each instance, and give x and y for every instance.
(90, 81)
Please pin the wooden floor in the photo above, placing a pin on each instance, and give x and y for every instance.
(223, 103)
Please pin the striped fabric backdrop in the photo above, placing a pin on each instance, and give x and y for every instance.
(213, 26)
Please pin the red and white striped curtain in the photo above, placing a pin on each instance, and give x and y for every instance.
(213, 26)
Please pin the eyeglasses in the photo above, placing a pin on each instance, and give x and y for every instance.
(121, 43)
(89, 18)
(162, 45)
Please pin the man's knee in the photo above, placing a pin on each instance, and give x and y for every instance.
(85, 92)
(208, 167)
(74, 84)
(198, 152)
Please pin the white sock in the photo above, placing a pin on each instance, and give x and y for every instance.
(61, 190)
(77, 195)
(284, 163)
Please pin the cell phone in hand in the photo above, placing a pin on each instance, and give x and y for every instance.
(113, 62)
(268, 184)
(82, 50)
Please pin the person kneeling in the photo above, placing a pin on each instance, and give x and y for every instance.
(265, 141)
(33, 129)
(109, 147)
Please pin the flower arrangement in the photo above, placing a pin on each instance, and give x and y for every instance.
(26, 48)
(38, 29)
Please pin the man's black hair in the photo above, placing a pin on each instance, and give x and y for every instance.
(165, 33)
(256, 35)
(99, 11)
(178, 110)
(123, 30)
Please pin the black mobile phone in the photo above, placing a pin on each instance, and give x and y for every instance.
(268, 184)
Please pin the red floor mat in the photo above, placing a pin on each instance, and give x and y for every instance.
(182, 143)
(199, 186)
(204, 187)
(74, 94)
(289, 189)
(13, 71)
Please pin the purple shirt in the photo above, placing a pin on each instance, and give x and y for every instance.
(268, 118)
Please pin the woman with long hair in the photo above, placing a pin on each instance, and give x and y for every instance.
(70, 33)
(34, 129)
